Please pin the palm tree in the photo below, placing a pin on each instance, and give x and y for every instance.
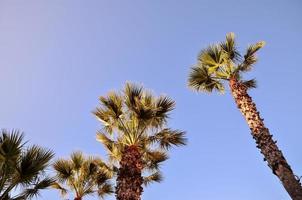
(136, 137)
(22, 167)
(83, 176)
(221, 63)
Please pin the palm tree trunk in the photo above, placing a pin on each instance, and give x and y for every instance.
(129, 180)
(264, 141)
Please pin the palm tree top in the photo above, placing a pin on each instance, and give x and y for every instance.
(135, 117)
(222, 62)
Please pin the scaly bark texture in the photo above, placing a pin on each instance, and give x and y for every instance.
(265, 143)
(129, 179)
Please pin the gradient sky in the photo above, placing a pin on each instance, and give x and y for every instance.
(58, 56)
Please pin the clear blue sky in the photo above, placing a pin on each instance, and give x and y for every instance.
(58, 56)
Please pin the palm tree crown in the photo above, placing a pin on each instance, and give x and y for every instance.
(22, 167)
(83, 176)
(136, 118)
(223, 62)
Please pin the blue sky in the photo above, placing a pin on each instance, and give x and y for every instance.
(57, 57)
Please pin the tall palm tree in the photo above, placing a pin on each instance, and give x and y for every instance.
(137, 138)
(22, 167)
(84, 176)
(222, 63)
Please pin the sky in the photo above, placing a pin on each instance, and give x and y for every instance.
(57, 57)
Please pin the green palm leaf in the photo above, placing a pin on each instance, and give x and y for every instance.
(212, 57)
(21, 167)
(201, 80)
(250, 57)
(229, 47)
(168, 138)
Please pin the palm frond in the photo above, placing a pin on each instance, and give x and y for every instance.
(11, 144)
(105, 189)
(88, 190)
(212, 57)
(108, 170)
(201, 80)
(77, 159)
(154, 158)
(39, 185)
(22, 168)
(133, 94)
(250, 83)
(142, 112)
(229, 46)
(106, 141)
(113, 104)
(115, 154)
(167, 138)
(102, 115)
(155, 177)
(32, 162)
(163, 106)
(250, 56)
(63, 169)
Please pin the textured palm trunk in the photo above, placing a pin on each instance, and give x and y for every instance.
(265, 143)
(129, 179)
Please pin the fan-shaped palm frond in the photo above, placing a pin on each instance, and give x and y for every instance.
(155, 177)
(167, 138)
(229, 47)
(32, 162)
(113, 105)
(105, 189)
(77, 159)
(201, 80)
(213, 57)
(133, 94)
(250, 83)
(250, 57)
(105, 140)
(153, 158)
(22, 168)
(63, 169)
(39, 185)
